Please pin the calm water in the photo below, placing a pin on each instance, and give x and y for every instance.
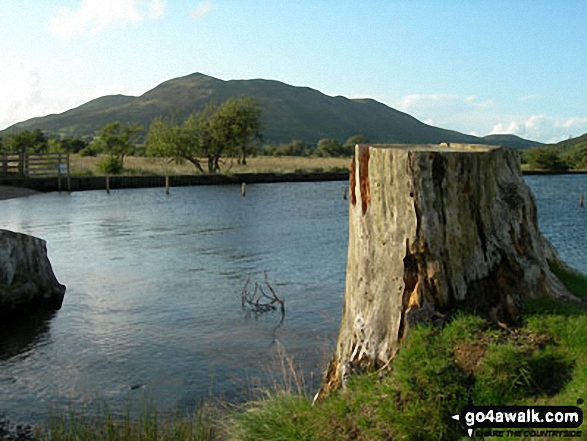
(154, 285)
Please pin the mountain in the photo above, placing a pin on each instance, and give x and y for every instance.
(572, 144)
(289, 113)
(510, 141)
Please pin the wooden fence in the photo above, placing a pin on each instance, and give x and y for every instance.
(12, 164)
(31, 165)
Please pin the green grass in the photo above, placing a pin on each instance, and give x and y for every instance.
(573, 280)
(144, 424)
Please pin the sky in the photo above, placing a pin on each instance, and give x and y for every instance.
(475, 66)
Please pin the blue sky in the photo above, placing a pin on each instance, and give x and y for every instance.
(475, 66)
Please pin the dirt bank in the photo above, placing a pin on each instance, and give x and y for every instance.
(8, 192)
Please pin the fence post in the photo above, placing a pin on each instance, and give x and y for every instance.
(26, 162)
(59, 172)
(68, 174)
(21, 162)
(5, 164)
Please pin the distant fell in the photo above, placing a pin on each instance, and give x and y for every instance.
(510, 141)
(289, 112)
(580, 142)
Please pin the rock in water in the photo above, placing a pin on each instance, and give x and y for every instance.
(432, 228)
(27, 281)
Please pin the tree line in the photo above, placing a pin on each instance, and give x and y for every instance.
(558, 157)
(231, 129)
(38, 142)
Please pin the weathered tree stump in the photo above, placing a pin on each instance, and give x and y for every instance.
(432, 228)
(27, 280)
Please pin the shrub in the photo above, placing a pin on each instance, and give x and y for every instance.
(90, 150)
(545, 158)
(110, 165)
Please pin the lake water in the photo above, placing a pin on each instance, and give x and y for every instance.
(154, 282)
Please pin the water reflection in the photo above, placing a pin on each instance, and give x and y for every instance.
(20, 336)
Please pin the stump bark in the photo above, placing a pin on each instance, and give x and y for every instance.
(433, 228)
(27, 280)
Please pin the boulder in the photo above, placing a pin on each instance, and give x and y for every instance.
(27, 281)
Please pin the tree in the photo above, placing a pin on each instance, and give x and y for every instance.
(294, 148)
(233, 128)
(167, 139)
(241, 118)
(576, 157)
(545, 158)
(210, 128)
(73, 145)
(329, 147)
(117, 139)
(349, 145)
(35, 141)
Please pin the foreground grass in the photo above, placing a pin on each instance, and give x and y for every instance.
(137, 165)
(146, 424)
(543, 362)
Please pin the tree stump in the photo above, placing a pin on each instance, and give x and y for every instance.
(433, 228)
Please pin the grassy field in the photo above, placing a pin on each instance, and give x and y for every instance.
(137, 165)
(543, 362)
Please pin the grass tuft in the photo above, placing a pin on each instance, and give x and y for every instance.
(575, 282)
(102, 424)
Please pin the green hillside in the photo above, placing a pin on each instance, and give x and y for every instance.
(288, 113)
(567, 154)
(569, 145)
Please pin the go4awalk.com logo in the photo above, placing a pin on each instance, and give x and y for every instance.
(522, 421)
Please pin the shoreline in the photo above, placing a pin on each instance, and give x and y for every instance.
(11, 192)
(11, 188)
(26, 186)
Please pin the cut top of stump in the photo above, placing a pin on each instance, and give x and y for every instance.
(442, 147)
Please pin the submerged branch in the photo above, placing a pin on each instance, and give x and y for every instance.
(259, 301)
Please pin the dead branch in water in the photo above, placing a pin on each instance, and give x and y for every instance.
(259, 301)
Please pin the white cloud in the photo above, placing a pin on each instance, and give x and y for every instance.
(20, 91)
(501, 128)
(473, 101)
(529, 97)
(203, 8)
(24, 93)
(423, 101)
(543, 128)
(94, 16)
(479, 117)
(156, 9)
(483, 104)
(421, 105)
(576, 123)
